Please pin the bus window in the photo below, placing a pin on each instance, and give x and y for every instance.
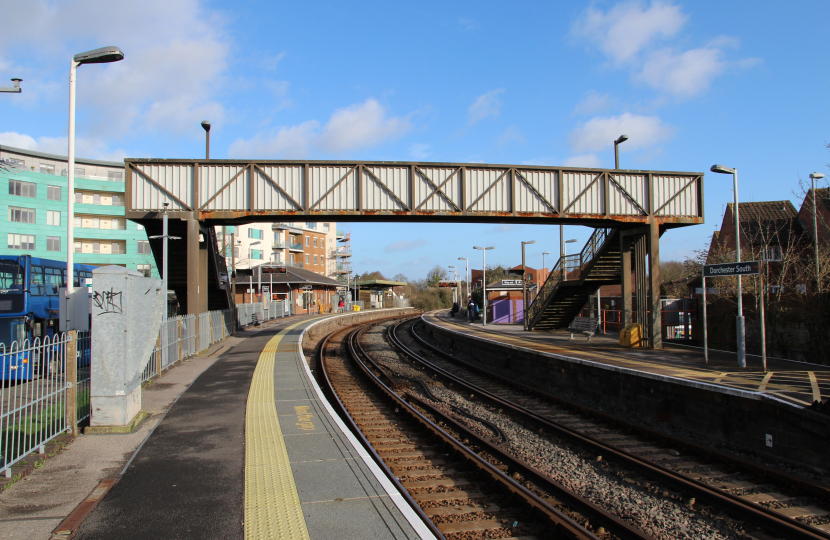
(36, 280)
(52, 280)
(76, 281)
(11, 275)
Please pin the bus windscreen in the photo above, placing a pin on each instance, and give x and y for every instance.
(11, 275)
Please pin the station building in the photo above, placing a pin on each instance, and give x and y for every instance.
(36, 211)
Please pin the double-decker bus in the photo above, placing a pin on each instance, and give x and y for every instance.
(29, 306)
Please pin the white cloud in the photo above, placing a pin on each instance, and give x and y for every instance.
(419, 151)
(590, 161)
(89, 148)
(485, 105)
(504, 228)
(359, 126)
(599, 133)
(468, 24)
(511, 134)
(405, 245)
(169, 80)
(629, 27)
(684, 74)
(593, 103)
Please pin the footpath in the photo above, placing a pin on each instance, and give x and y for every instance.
(197, 464)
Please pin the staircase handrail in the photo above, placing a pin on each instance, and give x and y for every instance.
(591, 248)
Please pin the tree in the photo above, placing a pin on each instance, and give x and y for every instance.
(436, 274)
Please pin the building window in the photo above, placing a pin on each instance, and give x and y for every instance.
(78, 222)
(117, 200)
(326, 227)
(79, 171)
(23, 189)
(115, 224)
(13, 161)
(143, 246)
(79, 247)
(53, 193)
(256, 234)
(115, 247)
(53, 243)
(21, 215)
(96, 223)
(306, 242)
(96, 198)
(144, 269)
(315, 259)
(310, 225)
(772, 253)
(45, 168)
(256, 254)
(21, 241)
(306, 258)
(116, 176)
(96, 247)
(79, 197)
(53, 217)
(315, 242)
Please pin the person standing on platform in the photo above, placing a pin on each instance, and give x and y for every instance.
(471, 309)
(341, 306)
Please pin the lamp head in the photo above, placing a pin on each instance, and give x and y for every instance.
(546, 253)
(17, 82)
(165, 205)
(621, 139)
(723, 169)
(104, 55)
(529, 242)
(205, 125)
(816, 175)
(571, 241)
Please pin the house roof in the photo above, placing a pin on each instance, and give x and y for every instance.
(766, 211)
(761, 221)
(380, 283)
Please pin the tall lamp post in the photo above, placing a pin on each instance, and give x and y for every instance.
(739, 320)
(617, 143)
(484, 281)
(466, 276)
(524, 283)
(165, 236)
(543, 259)
(104, 55)
(813, 177)
(15, 89)
(251, 262)
(206, 127)
(454, 289)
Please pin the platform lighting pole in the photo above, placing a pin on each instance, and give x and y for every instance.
(164, 236)
(617, 143)
(206, 127)
(739, 320)
(454, 289)
(251, 262)
(104, 55)
(484, 281)
(466, 276)
(543, 260)
(562, 251)
(813, 178)
(15, 89)
(524, 284)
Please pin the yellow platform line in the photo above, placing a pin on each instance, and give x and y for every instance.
(765, 382)
(814, 386)
(272, 504)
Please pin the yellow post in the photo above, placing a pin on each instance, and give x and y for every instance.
(71, 370)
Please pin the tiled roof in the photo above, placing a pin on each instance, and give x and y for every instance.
(766, 211)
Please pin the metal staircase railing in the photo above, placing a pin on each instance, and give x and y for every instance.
(568, 268)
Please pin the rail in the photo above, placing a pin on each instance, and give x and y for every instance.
(567, 268)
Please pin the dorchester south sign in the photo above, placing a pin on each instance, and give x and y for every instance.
(732, 269)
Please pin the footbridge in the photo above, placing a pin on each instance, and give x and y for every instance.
(638, 205)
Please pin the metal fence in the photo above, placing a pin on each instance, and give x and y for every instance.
(246, 313)
(32, 398)
(178, 340)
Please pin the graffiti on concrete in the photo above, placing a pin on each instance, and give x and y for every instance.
(108, 302)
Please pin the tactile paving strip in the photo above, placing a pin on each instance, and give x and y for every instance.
(272, 504)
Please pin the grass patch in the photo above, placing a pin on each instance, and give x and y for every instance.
(24, 435)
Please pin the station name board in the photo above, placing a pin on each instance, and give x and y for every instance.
(511, 282)
(746, 268)
(448, 284)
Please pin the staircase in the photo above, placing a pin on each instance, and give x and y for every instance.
(560, 300)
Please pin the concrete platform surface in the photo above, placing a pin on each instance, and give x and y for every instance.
(795, 383)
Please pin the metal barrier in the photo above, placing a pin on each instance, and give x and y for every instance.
(274, 310)
(84, 382)
(32, 398)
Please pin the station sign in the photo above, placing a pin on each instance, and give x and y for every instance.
(307, 287)
(511, 282)
(448, 284)
(745, 268)
(266, 289)
(273, 269)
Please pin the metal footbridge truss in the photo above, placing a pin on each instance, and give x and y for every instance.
(241, 191)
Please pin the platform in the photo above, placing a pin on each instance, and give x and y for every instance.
(795, 383)
(253, 449)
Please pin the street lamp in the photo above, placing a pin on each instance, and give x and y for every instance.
(739, 320)
(251, 264)
(617, 143)
(206, 127)
(166, 237)
(97, 56)
(484, 281)
(813, 177)
(14, 90)
(524, 283)
(543, 259)
(466, 275)
(454, 289)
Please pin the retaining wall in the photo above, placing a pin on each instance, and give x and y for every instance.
(329, 325)
(740, 418)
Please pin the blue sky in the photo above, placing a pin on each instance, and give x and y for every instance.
(691, 83)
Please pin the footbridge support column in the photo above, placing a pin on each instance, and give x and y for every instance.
(197, 271)
(645, 244)
(656, 322)
(625, 255)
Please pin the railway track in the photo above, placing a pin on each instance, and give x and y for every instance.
(458, 492)
(780, 505)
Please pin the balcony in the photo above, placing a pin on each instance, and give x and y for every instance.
(279, 245)
(293, 246)
(296, 264)
(286, 227)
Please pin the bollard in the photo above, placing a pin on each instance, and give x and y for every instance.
(71, 370)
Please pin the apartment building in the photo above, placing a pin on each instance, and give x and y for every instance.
(300, 245)
(36, 210)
